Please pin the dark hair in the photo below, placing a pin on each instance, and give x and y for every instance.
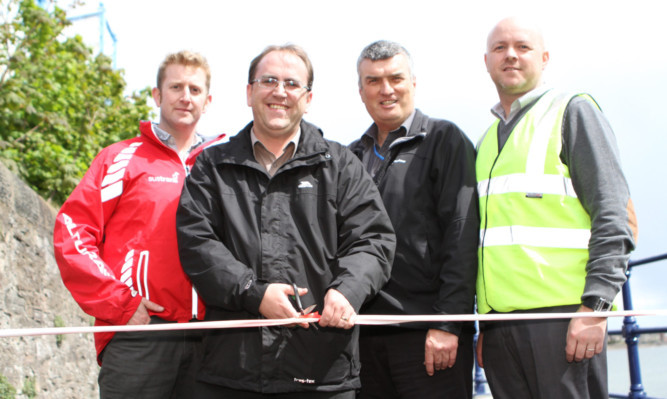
(291, 48)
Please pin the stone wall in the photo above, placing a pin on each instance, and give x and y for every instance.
(33, 295)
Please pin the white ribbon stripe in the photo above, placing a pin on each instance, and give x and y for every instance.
(360, 320)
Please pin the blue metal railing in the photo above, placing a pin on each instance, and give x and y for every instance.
(104, 26)
(630, 331)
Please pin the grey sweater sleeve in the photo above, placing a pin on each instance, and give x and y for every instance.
(590, 152)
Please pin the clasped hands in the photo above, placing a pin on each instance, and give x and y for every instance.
(337, 311)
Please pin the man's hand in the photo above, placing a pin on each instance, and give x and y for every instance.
(141, 315)
(276, 304)
(337, 311)
(585, 336)
(478, 350)
(440, 350)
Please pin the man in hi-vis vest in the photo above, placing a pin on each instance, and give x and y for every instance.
(557, 227)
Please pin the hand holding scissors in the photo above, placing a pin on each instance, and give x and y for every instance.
(307, 312)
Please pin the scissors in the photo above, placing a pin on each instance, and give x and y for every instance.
(307, 312)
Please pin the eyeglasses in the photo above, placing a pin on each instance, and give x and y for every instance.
(290, 85)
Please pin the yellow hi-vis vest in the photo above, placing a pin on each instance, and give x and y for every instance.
(534, 232)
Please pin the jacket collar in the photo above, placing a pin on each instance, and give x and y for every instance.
(159, 136)
(419, 125)
(239, 148)
(418, 128)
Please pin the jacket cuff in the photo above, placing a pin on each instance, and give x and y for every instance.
(253, 296)
(350, 295)
(597, 288)
(125, 314)
(450, 327)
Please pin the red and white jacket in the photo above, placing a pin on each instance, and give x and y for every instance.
(115, 236)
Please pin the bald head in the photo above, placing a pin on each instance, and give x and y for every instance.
(516, 24)
(515, 58)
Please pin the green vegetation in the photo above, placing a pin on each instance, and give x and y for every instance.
(59, 105)
(7, 391)
(58, 322)
(29, 389)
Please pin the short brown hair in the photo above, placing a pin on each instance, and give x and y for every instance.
(290, 48)
(187, 58)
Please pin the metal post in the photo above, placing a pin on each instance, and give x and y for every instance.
(103, 26)
(115, 45)
(631, 335)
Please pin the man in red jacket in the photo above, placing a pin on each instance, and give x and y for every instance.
(115, 242)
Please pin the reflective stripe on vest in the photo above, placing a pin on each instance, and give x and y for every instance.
(534, 233)
(525, 183)
(549, 237)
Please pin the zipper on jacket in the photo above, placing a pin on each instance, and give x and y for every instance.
(393, 153)
(195, 308)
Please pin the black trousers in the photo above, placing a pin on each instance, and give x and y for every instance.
(210, 391)
(150, 365)
(526, 359)
(392, 366)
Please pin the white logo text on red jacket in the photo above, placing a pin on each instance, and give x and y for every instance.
(163, 179)
(78, 245)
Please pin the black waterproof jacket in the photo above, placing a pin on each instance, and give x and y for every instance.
(427, 183)
(318, 222)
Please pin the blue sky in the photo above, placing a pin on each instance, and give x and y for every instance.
(610, 49)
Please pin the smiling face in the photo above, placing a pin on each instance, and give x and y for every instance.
(515, 58)
(182, 98)
(387, 88)
(276, 112)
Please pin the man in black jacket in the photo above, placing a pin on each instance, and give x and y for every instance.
(425, 170)
(280, 205)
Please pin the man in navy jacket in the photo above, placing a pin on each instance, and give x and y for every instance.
(424, 168)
